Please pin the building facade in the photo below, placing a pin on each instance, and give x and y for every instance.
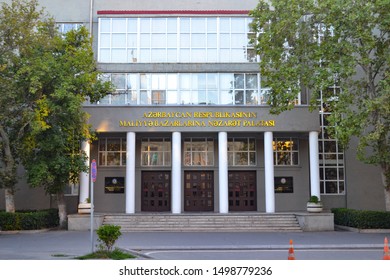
(188, 128)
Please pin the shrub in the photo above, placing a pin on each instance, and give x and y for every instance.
(29, 220)
(362, 219)
(108, 234)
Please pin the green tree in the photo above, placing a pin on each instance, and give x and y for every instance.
(22, 29)
(314, 45)
(67, 76)
(51, 77)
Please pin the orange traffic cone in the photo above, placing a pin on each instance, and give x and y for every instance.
(291, 255)
(386, 253)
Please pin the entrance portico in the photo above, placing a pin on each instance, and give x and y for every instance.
(191, 158)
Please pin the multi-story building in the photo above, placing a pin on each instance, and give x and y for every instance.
(188, 128)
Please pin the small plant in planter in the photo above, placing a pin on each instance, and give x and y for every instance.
(314, 205)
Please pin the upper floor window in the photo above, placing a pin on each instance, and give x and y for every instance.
(66, 27)
(183, 39)
(331, 154)
(286, 151)
(186, 88)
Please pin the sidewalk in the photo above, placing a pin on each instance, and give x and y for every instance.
(54, 244)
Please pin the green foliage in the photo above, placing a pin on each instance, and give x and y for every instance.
(115, 254)
(362, 219)
(108, 235)
(29, 220)
(45, 78)
(314, 199)
(23, 30)
(52, 149)
(313, 46)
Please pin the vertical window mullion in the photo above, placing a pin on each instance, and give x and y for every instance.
(177, 39)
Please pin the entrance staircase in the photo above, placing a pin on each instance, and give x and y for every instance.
(259, 222)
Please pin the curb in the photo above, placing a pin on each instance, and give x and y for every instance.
(264, 247)
(9, 232)
(359, 230)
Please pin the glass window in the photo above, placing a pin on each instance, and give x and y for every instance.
(112, 152)
(132, 41)
(145, 25)
(286, 151)
(185, 25)
(155, 152)
(238, 25)
(105, 41)
(132, 24)
(196, 35)
(331, 155)
(212, 41)
(145, 41)
(172, 25)
(198, 41)
(224, 25)
(241, 151)
(159, 25)
(118, 25)
(105, 25)
(187, 88)
(198, 25)
(158, 41)
(185, 40)
(118, 55)
(211, 25)
(72, 189)
(198, 152)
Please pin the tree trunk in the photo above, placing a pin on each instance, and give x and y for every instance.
(8, 172)
(62, 213)
(386, 186)
(9, 200)
(387, 199)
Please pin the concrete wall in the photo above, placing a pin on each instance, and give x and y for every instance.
(365, 189)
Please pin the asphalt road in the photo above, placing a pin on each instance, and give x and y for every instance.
(49, 245)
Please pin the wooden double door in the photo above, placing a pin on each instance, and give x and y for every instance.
(242, 191)
(199, 191)
(156, 191)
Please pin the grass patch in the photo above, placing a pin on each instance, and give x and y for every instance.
(116, 254)
(60, 255)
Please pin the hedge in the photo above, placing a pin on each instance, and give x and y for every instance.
(29, 220)
(362, 219)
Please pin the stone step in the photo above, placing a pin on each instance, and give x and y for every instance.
(205, 222)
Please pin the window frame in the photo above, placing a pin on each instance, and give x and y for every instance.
(208, 154)
(166, 151)
(233, 152)
(286, 150)
(103, 155)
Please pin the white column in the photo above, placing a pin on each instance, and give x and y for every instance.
(130, 173)
(223, 172)
(84, 176)
(176, 173)
(269, 173)
(314, 164)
